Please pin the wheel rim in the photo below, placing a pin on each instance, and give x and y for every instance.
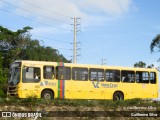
(117, 97)
(47, 96)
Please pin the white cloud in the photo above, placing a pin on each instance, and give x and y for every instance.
(81, 8)
(92, 12)
(111, 7)
(52, 8)
(2, 5)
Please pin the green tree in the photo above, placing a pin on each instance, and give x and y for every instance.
(12, 44)
(155, 43)
(150, 66)
(140, 64)
(18, 45)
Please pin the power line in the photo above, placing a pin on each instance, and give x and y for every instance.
(88, 48)
(40, 36)
(63, 48)
(84, 49)
(46, 9)
(83, 60)
(51, 39)
(30, 19)
(54, 19)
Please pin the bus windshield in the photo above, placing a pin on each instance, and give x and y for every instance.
(14, 76)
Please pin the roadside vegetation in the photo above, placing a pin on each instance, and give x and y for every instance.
(18, 45)
(91, 108)
(68, 102)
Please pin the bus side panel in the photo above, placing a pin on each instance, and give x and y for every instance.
(30, 90)
(49, 85)
(99, 90)
(131, 90)
(110, 88)
(81, 90)
(149, 91)
(67, 89)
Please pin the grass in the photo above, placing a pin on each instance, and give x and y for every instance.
(67, 102)
(76, 105)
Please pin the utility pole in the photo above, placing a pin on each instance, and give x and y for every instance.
(75, 41)
(104, 62)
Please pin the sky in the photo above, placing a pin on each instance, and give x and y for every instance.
(119, 31)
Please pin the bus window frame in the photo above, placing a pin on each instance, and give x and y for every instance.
(112, 72)
(57, 73)
(128, 77)
(73, 74)
(96, 70)
(154, 77)
(143, 77)
(25, 80)
(53, 72)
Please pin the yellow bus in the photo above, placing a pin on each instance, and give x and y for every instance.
(51, 80)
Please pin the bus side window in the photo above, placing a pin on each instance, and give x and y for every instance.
(63, 73)
(31, 75)
(79, 73)
(48, 72)
(112, 75)
(153, 77)
(142, 77)
(96, 74)
(128, 76)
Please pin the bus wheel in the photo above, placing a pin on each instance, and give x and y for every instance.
(47, 94)
(118, 96)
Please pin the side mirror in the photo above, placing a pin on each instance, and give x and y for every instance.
(26, 69)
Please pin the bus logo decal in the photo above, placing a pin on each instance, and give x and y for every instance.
(104, 85)
(111, 85)
(95, 85)
(47, 83)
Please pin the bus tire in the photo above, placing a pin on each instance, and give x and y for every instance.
(118, 96)
(47, 94)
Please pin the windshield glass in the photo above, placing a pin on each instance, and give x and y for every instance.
(14, 76)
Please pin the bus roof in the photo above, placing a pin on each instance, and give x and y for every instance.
(85, 65)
